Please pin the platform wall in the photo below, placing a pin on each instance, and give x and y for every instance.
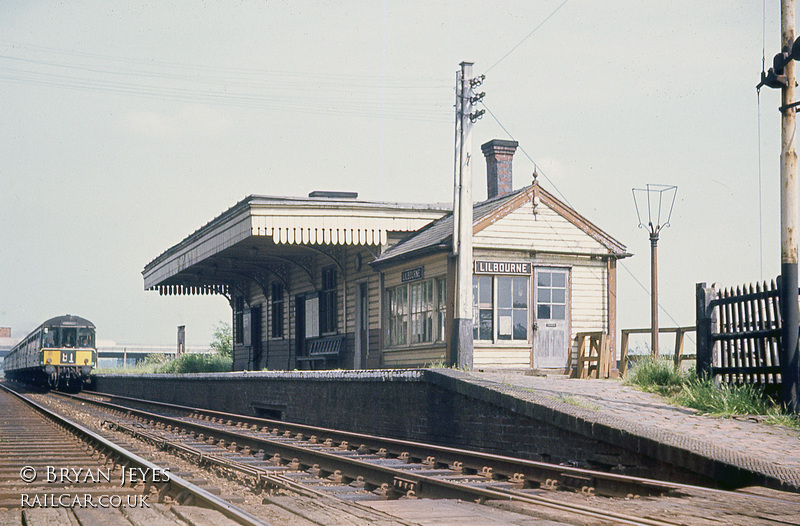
(420, 405)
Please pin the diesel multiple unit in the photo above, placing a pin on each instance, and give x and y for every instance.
(60, 354)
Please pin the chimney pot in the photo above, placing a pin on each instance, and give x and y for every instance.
(499, 154)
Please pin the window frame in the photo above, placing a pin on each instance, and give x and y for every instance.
(328, 301)
(417, 323)
(495, 307)
(277, 311)
(238, 320)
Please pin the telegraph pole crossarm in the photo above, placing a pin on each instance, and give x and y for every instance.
(658, 217)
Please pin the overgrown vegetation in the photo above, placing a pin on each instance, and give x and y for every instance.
(223, 340)
(197, 363)
(659, 375)
(218, 361)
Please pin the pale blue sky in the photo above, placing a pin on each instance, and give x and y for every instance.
(127, 126)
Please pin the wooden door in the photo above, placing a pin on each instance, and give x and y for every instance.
(551, 317)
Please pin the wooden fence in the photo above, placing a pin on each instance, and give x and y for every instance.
(678, 357)
(739, 334)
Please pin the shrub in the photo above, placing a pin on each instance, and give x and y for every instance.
(197, 363)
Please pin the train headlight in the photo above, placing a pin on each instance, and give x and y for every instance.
(49, 360)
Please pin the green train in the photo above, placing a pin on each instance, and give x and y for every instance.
(59, 354)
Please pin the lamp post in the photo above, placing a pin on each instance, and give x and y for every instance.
(653, 198)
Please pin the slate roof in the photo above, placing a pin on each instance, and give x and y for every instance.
(438, 235)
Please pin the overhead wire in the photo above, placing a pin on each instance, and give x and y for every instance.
(328, 94)
(529, 35)
(538, 168)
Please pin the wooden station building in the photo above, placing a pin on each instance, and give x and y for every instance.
(331, 281)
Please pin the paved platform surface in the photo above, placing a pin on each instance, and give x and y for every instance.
(744, 443)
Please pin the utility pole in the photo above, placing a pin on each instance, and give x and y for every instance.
(462, 345)
(782, 76)
(790, 365)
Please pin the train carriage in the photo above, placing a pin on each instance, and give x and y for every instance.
(60, 354)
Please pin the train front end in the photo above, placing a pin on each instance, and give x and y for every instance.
(68, 353)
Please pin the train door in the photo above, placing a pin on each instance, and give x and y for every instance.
(551, 300)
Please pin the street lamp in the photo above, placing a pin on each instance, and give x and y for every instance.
(653, 198)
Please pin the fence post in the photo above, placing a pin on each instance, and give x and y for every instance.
(705, 345)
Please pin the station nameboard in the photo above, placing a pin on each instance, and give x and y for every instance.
(502, 267)
(412, 274)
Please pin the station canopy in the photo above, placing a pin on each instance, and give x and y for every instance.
(265, 236)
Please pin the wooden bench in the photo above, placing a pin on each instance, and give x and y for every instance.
(325, 350)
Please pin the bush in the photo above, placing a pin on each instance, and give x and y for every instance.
(197, 363)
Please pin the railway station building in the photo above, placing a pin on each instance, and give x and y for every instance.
(331, 281)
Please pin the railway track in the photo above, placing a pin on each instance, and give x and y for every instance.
(54, 471)
(375, 480)
(305, 459)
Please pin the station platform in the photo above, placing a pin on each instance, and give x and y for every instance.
(720, 448)
(555, 419)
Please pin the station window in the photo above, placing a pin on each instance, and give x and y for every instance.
(327, 301)
(441, 308)
(417, 312)
(398, 315)
(277, 310)
(238, 319)
(500, 308)
(422, 311)
(551, 292)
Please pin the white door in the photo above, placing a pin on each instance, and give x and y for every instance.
(551, 317)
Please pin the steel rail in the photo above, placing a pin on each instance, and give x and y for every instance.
(98, 442)
(607, 484)
(375, 475)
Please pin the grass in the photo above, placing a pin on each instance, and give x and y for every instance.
(186, 363)
(659, 375)
(579, 402)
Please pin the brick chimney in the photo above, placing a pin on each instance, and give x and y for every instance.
(498, 155)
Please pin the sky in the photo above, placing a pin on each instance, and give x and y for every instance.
(127, 126)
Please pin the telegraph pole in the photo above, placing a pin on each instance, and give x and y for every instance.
(462, 344)
(790, 364)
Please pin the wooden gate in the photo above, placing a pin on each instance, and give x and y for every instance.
(739, 334)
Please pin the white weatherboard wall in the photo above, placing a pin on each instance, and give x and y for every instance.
(546, 231)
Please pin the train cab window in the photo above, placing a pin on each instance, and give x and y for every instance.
(69, 337)
(49, 338)
(85, 338)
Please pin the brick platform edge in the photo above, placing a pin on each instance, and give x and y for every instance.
(704, 458)
(452, 408)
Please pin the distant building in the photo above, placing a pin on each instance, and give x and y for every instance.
(331, 281)
(5, 332)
